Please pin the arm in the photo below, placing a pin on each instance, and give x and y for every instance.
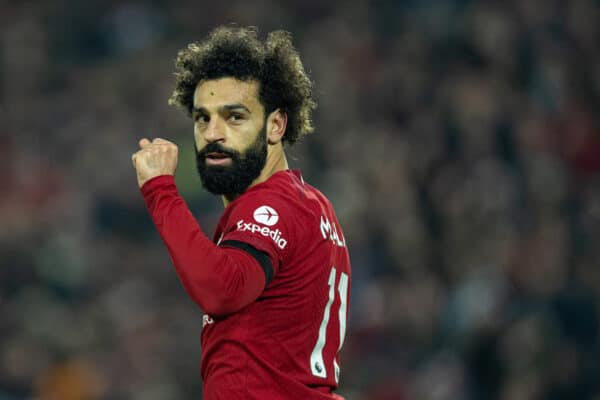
(221, 280)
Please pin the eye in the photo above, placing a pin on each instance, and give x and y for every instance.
(200, 118)
(236, 117)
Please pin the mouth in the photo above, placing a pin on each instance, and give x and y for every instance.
(217, 158)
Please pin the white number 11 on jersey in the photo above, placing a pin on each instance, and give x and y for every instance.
(317, 365)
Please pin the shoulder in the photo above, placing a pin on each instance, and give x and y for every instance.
(266, 217)
(285, 193)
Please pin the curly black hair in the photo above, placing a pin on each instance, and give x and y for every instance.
(238, 53)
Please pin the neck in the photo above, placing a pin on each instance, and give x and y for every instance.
(276, 161)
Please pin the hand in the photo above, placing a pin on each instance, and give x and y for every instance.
(155, 158)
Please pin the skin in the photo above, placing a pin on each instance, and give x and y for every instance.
(226, 111)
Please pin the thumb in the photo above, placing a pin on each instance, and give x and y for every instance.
(144, 143)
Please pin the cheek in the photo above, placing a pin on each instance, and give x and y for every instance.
(198, 139)
(246, 142)
(237, 139)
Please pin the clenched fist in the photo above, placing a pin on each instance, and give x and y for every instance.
(155, 158)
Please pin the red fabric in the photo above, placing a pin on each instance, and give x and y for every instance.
(263, 350)
(220, 281)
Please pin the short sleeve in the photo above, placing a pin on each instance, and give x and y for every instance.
(263, 221)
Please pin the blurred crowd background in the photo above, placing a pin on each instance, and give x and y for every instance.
(458, 140)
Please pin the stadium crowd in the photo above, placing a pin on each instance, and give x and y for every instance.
(458, 140)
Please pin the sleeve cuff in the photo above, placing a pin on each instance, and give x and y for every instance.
(158, 182)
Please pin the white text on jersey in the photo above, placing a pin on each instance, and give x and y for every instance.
(329, 231)
(207, 320)
(243, 226)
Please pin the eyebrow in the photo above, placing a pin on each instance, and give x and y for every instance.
(226, 107)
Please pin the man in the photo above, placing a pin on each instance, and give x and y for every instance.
(274, 283)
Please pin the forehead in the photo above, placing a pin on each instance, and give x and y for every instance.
(218, 92)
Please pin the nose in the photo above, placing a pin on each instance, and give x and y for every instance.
(214, 131)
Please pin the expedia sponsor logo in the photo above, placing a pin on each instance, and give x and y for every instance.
(275, 235)
(266, 215)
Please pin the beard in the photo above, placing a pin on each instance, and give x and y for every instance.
(245, 167)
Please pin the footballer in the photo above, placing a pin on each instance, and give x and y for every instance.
(274, 281)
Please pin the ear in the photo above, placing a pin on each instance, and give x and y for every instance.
(276, 124)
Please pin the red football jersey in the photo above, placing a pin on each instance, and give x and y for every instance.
(274, 283)
(285, 344)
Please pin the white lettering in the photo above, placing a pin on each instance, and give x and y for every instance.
(275, 235)
(325, 227)
(330, 231)
(207, 320)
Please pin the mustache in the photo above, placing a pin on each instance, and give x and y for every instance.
(216, 148)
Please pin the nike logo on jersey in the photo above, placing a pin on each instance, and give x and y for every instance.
(243, 226)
